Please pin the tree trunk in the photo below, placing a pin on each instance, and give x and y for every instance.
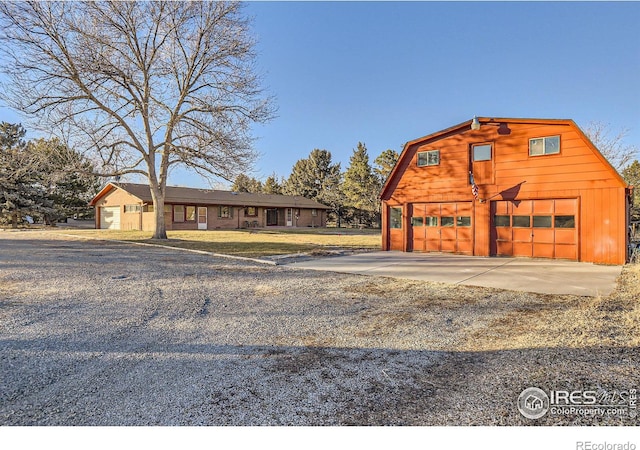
(14, 220)
(160, 230)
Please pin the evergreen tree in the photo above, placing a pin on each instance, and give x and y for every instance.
(272, 185)
(385, 163)
(361, 187)
(318, 179)
(42, 178)
(244, 183)
(20, 192)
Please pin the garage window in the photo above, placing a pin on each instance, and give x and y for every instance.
(502, 221)
(564, 221)
(446, 221)
(482, 152)
(395, 217)
(432, 221)
(429, 158)
(544, 146)
(417, 221)
(132, 208)
(541, 221)
(463, 221)
(521, 221)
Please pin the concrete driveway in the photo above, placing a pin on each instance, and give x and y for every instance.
(544, 276)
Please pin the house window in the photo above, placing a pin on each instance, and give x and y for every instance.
(429, 158)
(148, 208)
(132, 208)
(251, 211)
(178, 213)
(482, 152)
(395, 217)
(191, 214)
(544, 146)
(225, 212)
(314, 212)
(167, 208)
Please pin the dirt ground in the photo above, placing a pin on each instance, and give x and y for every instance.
(99, 333)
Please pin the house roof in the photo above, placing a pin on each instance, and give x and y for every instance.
(186, 195)
(465, 126)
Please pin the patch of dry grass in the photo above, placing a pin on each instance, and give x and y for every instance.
(250, 243)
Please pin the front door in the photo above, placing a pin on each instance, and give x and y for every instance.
(202, 218)
(289, 217)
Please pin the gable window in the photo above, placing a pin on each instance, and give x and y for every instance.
(225, 212)
(544, 146)
(429, 158)
(178, 213)
(395, 217)
(482, 152)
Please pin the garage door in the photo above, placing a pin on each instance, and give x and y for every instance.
(442, 227)
(110, 218)
(535, 228)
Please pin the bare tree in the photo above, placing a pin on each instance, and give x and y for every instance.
(141, 86)
(611, 144)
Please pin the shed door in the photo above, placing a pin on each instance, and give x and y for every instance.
(535, 228)
(110, 218)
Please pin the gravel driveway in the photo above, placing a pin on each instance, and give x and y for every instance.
(100, 333)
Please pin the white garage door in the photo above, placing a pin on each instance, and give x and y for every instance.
(110, 218)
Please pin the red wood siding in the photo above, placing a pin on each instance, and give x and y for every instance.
(578, 172)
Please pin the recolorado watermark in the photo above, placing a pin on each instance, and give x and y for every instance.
(534, 403)
(588, 445)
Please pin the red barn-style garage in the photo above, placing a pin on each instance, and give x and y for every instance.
(507, 187)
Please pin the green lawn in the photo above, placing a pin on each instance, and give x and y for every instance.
(251, 243)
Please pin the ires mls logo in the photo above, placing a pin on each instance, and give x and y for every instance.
(534, 403)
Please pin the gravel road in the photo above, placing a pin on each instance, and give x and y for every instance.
(102, 333)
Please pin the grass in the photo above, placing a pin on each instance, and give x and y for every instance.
(251, 243)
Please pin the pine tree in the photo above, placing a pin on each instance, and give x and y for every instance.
(385, 162)
(318, 179)
(244, 183)
(361, 187)
(42, 178)
(20, 193)
(271, 185)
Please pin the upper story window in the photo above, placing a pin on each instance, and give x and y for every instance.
(482, 152)
(544, 146)
(429, 158)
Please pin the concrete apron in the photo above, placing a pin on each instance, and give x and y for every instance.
(545, 276)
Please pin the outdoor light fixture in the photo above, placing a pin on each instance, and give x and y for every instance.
(503, 127)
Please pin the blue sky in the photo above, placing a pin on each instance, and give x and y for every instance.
(384, 73)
